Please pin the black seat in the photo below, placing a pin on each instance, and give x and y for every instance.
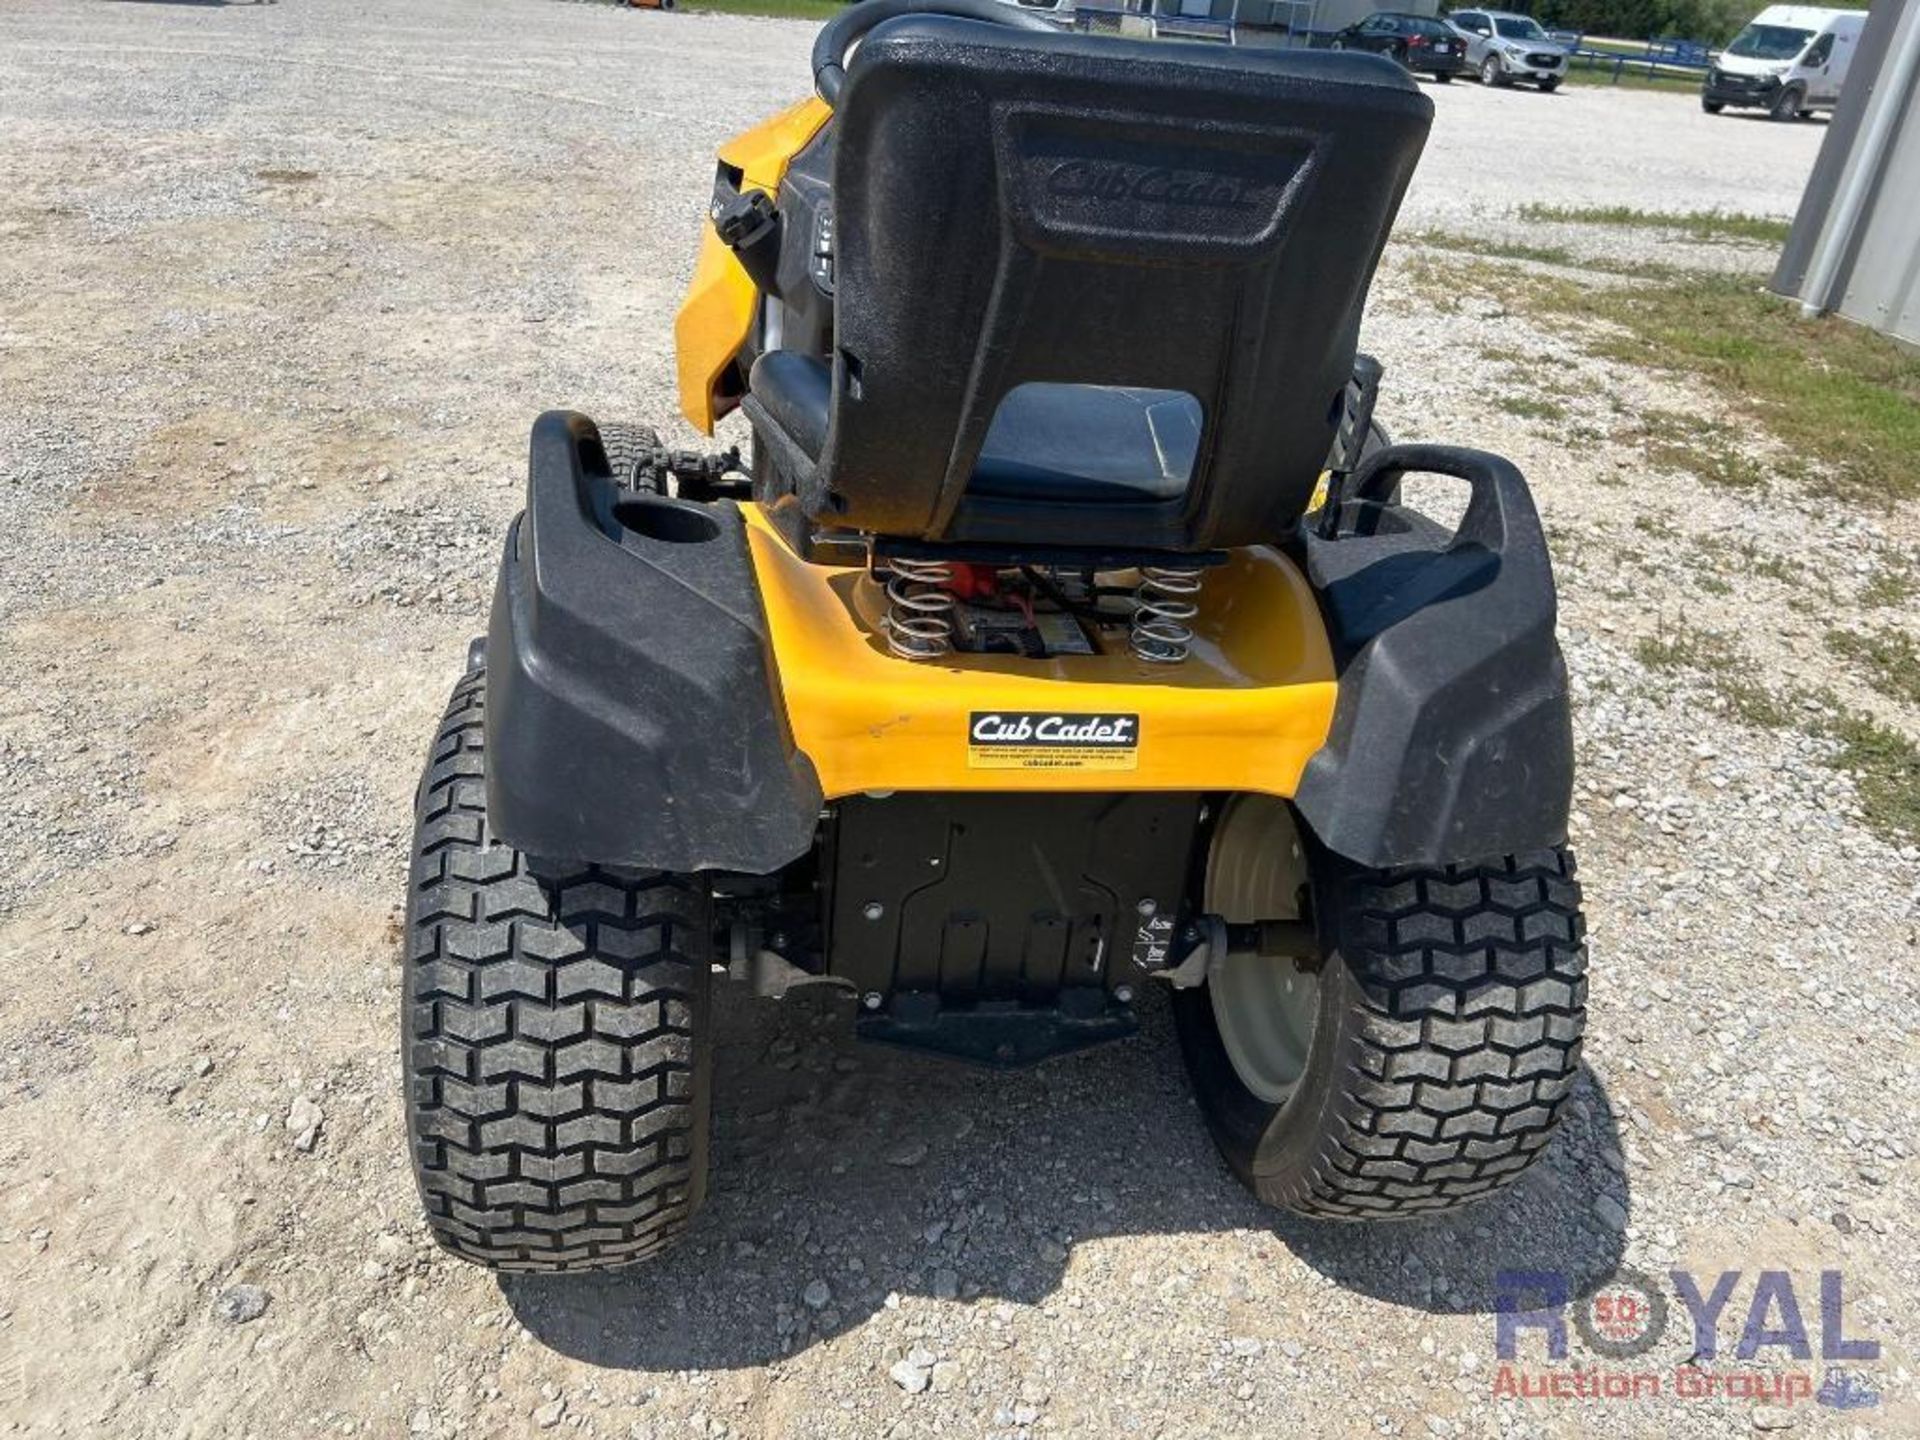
(1089, 291)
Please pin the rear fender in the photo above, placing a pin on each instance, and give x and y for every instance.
(632, 715)
(1452, 735)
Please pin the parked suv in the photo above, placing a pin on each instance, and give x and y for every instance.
(1418, 42)
(1503, 47)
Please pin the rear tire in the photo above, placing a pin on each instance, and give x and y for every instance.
(1443, 77)
(1712, 107)
(555, 1049)
(626, 446)
(1445, 1037)
(1492, 73)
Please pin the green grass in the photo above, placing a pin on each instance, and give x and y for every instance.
(1891, 660)
(1841, 399)
(1602, 76)
(1531, 254)
(1705, 449)
(1828, 389)
(1494, 249)
(1532, 407)
(1728, 673)
(1558, 255)
(776, 9)
(1694, 224)
(1884, 764)
(1887, 586)
(1749, 559)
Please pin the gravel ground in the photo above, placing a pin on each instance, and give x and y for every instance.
(280, 290)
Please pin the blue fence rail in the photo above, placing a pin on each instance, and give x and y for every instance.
(1659, 55)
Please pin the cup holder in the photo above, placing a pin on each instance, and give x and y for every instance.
(673, 522)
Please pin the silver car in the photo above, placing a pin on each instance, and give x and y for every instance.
(1503, 48)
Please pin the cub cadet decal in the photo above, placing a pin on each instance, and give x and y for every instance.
(1153, 184)
(1052, 740)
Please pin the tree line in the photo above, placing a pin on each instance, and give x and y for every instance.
(1715, 21)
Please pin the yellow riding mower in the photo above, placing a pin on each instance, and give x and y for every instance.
(1064, 635)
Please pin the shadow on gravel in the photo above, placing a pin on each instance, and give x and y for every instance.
(879, 1172)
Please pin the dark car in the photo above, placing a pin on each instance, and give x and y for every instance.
(1418, 42)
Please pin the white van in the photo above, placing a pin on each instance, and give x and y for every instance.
(1789, 61)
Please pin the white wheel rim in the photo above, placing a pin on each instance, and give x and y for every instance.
(1265, 1009)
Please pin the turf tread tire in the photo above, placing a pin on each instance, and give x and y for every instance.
(626, 446)
(556, 1055)
(1446, 1051)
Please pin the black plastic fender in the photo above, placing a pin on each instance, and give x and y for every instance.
(632, 715)
(1452, 736)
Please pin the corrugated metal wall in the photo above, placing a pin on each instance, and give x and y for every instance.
(1855, 243)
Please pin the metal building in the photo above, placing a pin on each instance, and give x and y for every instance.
(1855, 243)
(1237, 22)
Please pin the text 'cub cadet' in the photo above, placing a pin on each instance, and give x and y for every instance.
(1064, 636)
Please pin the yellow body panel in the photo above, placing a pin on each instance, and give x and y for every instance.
(717, 314)
(1245, 712)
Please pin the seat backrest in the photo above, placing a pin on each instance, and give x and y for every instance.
(1013, 208)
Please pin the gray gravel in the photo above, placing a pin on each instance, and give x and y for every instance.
(280, 289)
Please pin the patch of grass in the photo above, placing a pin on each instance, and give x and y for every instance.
(1686, 649)
(1496, 249)
(1630, 79)
(776, 9)
(1888, 585)
(1655, 525)
(1694, 224)
(1718, 660)
(1884, 763)
(1434, 280)
(1830, 390)
(1836, 393)
(1891, 659)
(1750, 559)
(1673, 440)
(1885, 766)
(1532, 407)
(1559, 256)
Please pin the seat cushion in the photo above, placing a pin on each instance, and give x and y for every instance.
(1089, 444)
(1073, 443)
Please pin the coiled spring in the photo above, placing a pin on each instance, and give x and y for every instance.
(1164, 605)
(919, 609)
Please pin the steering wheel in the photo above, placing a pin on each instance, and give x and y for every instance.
(836, 37)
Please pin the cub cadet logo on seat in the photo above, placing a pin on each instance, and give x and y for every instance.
(1052, 740)
(1151, 184)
